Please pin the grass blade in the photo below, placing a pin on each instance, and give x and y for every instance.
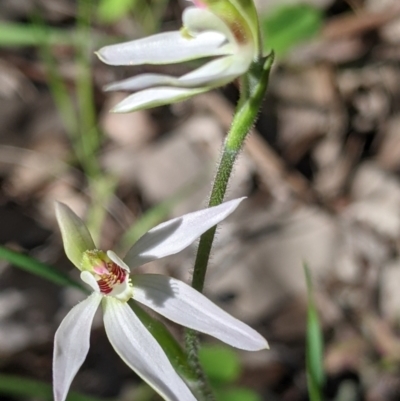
(38, 268)
(314, 346)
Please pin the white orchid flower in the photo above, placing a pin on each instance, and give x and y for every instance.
(227, 30)
(108, 277)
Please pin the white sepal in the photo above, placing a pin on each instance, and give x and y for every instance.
(71, 344)
(184, 305)
(175, 235)
(215, 73)
(142, 81)
(165, 48)
(155, 97)
(141, 352)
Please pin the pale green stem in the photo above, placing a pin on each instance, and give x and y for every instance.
(243, 121)
(202, 385)
(252, 94)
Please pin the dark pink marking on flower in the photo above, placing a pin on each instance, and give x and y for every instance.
(115, 275)
(102, 269)
(199, 4)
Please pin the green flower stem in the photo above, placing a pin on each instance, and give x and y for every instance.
(201, 385)
(252, 93)
(243, 121)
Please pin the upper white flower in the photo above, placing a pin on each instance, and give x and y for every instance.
(204, 34)
(112, 286)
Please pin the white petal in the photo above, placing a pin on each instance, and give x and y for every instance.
(89, 279)
(123, 291)
(155, 97)
(142, 81)
(174, 235)
(71, 344)
(141, 352)
(215, 73)
(197, 20)
(118, 261)
(165, 48)
(184, 305)
(76, 237)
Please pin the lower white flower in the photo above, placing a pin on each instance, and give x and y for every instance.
(108, 276)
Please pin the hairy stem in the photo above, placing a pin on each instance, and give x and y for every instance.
(202, 385)
(252, 94)
(243, 121)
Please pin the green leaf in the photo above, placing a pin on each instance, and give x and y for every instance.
(112, 10)
(315, 347)
(220, 363)
(40, 269)
(288, 25)
(17, 386)
(237, 394)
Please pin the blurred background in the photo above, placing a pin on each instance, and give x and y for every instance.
(321, 172)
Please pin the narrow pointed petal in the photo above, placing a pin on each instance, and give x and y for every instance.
(141, 352)
(71, 344)
(215, 73)
(165, 48)
(142, 81)
(184, 305)
(118, 261)
(76, 237)
(175, 235)
(155, 97)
